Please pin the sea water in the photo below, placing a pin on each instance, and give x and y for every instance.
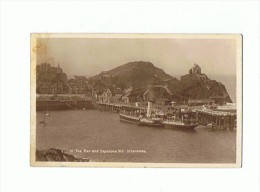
(102, 137)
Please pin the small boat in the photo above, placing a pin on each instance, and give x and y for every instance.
(43, 123)
(47, 113)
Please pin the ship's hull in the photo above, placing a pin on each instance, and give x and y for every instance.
(151, 124)
(180, 126)
(128, 118)
(136, 120)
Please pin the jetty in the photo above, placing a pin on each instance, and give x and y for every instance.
(116, 107)
(216, 119)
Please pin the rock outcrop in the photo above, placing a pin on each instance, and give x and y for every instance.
(199, 86)
(53, 154)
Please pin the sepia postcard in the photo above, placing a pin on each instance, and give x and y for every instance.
(136, 100)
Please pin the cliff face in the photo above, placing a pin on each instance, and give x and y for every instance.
(141, 74)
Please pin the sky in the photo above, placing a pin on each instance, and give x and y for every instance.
(90, 56)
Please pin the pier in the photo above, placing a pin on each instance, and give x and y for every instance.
(217, 119)
(116, 107)
(205, 117)
(45, 105)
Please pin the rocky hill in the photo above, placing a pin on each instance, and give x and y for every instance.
(140, 74)
(195, 86)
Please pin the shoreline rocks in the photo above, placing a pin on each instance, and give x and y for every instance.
(53, 154)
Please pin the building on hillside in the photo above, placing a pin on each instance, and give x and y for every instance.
(116, 90)
(155, 92)
(78, 85)
(97, 95)
(129, 89)
(73, 87)
(131, 95)
(220, 100)
(117, 98)
(163, 101)
(126, 94)
(43, 89)
(55, 88)
(50, 80)
(137, 95)
(126, 97)
(46, 67)
(107, 96)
